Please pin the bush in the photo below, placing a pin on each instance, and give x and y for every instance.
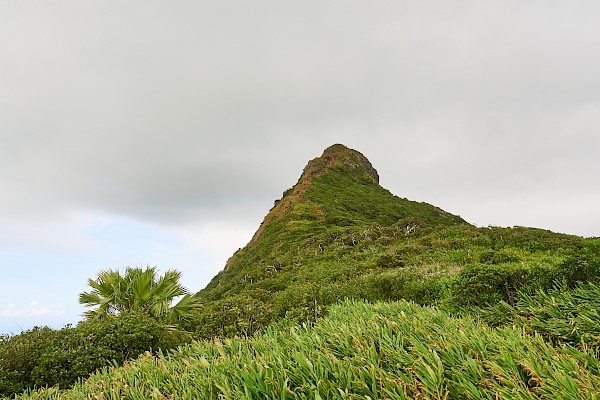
(582, 266)
(77, 352)
(19, 354)
(46, 357)
(482, 284)
(243, 314)
(390, 261)
(497, 257)
(396, 285)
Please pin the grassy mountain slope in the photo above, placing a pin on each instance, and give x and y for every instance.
(338, 234)
(339, 189)
(337, 203)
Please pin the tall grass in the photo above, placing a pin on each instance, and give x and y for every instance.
(359, 351)
(560, 315)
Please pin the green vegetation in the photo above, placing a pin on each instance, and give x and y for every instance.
(134, 314)
(367, 351)
(19, 356)
(139, 291)
(560, 315)
(327, 239)
(45, 357)
(347, 291)
(337, 234)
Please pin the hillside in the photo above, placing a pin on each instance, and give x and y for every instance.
(340, 189)
(336, 208)
(347, 291)
(364, 351)
(338, 234)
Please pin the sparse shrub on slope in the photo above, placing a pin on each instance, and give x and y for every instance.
(497, 257)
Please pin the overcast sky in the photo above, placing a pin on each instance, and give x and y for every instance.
(160, 133)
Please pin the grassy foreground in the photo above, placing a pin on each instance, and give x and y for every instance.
(359, 350)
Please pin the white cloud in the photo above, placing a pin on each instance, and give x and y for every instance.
(219, 240)
(33, 309)
(169, 114)
(62, 236)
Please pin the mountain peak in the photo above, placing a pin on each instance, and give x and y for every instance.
(337, 196)
(339, 156)
(340, 188)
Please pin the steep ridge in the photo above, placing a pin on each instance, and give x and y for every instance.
(336, 203)
(338, 234)
(341, 188)
(338, 189)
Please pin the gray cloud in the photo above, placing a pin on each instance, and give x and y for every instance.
(171, 113)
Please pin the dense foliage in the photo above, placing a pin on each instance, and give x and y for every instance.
(140, 290)
(45, 357)
(19, 355)
(366, 351)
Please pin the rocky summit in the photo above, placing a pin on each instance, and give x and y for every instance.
(339, 156)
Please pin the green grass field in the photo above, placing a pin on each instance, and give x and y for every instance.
(393, 350)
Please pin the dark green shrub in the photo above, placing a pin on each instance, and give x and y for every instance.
(77, 352)
(482, 284)
(303, 303)
(425, 291)
(390, 261)
(581, 266)
(497, 257)
(287, 192)
(19, 354)
(242, 314)
(399, 285)
(479, 285)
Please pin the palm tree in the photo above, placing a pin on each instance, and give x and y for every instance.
(140, 291)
